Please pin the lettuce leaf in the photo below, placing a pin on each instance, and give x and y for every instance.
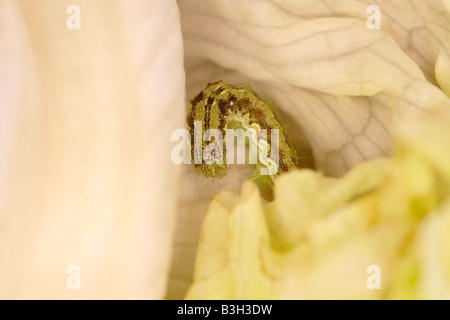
(443, 72)
(342, 89)
(341, 82)
(320, 235)
(85, 116)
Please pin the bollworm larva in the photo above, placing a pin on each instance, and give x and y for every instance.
(221, 103)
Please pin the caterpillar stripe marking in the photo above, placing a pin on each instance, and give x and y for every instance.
(221, 102)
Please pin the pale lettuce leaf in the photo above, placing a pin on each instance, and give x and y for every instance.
(443, 72)
(87, 117)
(329, 55)
(320, 236)
(340, 99)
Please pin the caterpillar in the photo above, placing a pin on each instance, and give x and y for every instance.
(221, 104)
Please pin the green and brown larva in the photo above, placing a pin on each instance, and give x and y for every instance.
(221, 103)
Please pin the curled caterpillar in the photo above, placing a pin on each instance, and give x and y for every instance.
(222, 105)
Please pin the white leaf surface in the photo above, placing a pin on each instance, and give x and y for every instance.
(86, 174)
(338, 84)
(330, 55)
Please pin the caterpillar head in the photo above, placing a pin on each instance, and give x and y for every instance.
(214, 163)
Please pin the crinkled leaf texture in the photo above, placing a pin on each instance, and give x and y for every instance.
(346, 89)
(85, 117)
(321, 236)
(341, 82)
